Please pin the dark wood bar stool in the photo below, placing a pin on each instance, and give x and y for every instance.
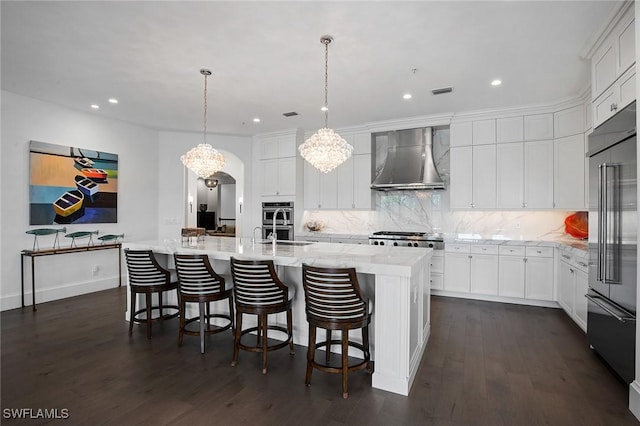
(259, 291)
(147, 277)
(199, 283)
(334, 301)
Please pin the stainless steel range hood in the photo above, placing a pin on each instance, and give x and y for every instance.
(409, 163)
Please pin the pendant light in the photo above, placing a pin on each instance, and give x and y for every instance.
(204, 160)
(325, 150)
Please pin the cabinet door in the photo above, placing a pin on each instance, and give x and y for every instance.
(570, 121)
(287, 147)
(566, 287)
(461, 177)
(362, 181)
(509, 129)
(569, 162)
(580, 307)
(539, 278)
(329, 190)
(461, 134)
(603, 107)
(269, 177)
(456, 272)
(538, 127)
(484, 132)
(627, 89)
(484, 176)
(311, 187)
(626, 43)
(538, 174)
(286, 176)
(603, 65)
(269, 148)
(510, 176)
(362, 143)
(484, 274)
(346, 178)
(511, 276)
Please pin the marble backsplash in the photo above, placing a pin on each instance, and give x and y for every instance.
(428, 211)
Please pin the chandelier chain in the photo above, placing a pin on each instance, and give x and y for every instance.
(326, 83)
(204, 132)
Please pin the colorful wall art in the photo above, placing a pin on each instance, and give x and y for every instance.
(72, 185)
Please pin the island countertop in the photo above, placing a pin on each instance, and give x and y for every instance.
(398, 261)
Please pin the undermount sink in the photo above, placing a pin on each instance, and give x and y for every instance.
(288, 243)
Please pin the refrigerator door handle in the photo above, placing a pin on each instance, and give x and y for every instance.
(602, 304)
(601, 220)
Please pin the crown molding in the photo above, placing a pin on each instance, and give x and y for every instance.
(600, 35)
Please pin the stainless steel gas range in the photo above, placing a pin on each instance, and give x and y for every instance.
(407, 239)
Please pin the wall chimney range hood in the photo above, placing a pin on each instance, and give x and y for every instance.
(409, 164)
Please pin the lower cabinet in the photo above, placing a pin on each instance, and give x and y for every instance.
(437, 270)
(471, 268)
(526, 272)
(572, 286)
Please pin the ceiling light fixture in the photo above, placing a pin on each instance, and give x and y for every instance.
(256, 120)
(113, 101)
(204, 160)
(325, 150)
(407, 96)
(94, 106)
(210, 183)
(496, 82)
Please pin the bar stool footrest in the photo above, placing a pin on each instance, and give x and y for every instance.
(364, 364)
(257, 348)
(158, 318)
(209, 328)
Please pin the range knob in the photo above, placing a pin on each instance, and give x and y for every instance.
(409, 244)
(415, 244)
(375, 243)
(381, 243)
(430, 245)
(395, 243)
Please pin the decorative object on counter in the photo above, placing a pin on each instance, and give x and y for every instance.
(204, 160)
(577, 225)
(203, 207)
(81, 235)
(110, 238)
(314, 226)
(193, 234)
(325, 150)
(45, 231)
(64, 185)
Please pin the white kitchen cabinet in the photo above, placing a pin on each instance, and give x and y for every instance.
(461, 134)
(277, 147)
(538, 127)
(320, 189)
(538, 174)
(279, 176)
(510, 129)
(461, 177)
(484, 269)
(572, 286)
(437, 270)
(569, 172)
(569, 121)
(484, 177)
(615, 98)
(539, 273)
(457, 267)
(353, 186)
(510, 175)
(484, 132)
(511, 271)
(361, 142)
(615, 54)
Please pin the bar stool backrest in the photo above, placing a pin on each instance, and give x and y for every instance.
(144, 269)
(256, 283)
(333, 294)
(196, 277)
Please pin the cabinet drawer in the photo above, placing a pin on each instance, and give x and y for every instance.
(437, 264)
(457, 248)
(539, 251)
(484, 249)
(437, 282)
(511, 251)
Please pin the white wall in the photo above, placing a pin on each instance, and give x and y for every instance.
(25, 119)
(228, 201)
(175, 183)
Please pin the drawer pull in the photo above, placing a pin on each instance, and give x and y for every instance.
(538, 251)
(584, 265)
(566, 256)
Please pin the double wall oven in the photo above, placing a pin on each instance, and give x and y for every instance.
(283, 220)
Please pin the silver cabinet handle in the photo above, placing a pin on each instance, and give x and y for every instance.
(584, 265)
(565, 256)
(596, 300)
(614, 107)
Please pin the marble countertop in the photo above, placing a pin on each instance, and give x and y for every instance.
(397, 261)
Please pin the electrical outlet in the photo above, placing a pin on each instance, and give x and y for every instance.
(95, 270)
(517, 225)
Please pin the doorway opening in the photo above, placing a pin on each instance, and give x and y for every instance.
(216, 201)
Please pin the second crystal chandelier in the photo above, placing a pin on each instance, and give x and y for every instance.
(325, 150)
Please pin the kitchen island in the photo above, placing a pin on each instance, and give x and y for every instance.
(395, 278)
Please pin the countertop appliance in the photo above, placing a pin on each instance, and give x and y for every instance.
(611, 320)
(407, 239)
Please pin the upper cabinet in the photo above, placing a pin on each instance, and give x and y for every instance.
(538, 127)
(613, 67)
(279, 166)
(461, 134)
(484, 132)
(510, 129)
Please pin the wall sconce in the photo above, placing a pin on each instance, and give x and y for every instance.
(190, 203)
(240, 203)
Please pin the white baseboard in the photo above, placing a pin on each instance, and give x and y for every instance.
(61, 292)
(634, 398)
(501, 299)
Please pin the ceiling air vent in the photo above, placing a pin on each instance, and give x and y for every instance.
(442, 90)
(290, 114)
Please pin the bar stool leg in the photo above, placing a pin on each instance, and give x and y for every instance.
(365, 343)
(201, 309)
(236, 339)
(160, 303)
(131, 311)
(345, 362)
(328, 347)
(148, 307)
(264, 321)
(290, 330)
(311, 348)
(182, 321)
(233, 328)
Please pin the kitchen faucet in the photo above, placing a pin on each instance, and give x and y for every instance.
(253, 235)
(284, 222)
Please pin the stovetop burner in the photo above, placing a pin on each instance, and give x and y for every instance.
(409, 239)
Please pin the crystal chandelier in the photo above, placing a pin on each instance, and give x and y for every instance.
(204, 160)
(325, 150)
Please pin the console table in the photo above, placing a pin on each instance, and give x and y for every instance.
(37, 253)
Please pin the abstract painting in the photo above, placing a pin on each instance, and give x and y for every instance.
(71, 185)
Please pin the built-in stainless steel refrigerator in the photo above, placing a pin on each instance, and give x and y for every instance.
(613, 217)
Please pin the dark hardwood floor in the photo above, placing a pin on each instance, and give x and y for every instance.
(485, 364)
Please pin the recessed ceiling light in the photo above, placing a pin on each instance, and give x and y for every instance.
(94, 106)
(324, 108)
(113, 101)
(406, 96)
(256, 120)
(496, 82)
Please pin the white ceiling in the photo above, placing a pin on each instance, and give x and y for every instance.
(267, 58)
